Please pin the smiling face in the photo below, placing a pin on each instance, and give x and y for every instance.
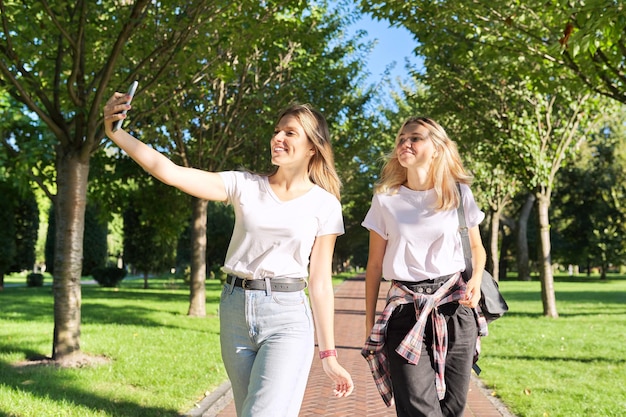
(415, 148)
(290, 144)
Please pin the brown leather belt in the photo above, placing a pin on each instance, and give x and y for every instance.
(276, 284)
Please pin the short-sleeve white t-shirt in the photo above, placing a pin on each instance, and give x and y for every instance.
(274, 238)
(422, 243)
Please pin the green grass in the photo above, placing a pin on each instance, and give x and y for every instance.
(570, 366)
(162, 361)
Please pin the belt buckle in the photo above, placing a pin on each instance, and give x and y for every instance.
(244, 284)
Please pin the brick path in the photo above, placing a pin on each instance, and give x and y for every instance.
(365, 400)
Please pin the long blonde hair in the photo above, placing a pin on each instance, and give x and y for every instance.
(321, 168)
(446, 170)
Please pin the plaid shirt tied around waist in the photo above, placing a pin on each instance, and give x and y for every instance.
(410, 348)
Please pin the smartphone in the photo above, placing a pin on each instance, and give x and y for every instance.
(131, 93)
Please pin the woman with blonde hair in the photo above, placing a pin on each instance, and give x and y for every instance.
(422, 347)
(286, 224)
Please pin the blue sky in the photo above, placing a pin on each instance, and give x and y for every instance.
(393, 45)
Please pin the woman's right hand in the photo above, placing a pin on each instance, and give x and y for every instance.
(196, 182)
(113, 110)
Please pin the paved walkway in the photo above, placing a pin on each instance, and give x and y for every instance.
(365, 400)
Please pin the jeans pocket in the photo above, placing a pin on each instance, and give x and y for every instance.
(288, 298)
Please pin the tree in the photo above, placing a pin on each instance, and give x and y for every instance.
(22, 223)
(152, 215)
(149, 247)
(26, 228)
(557, 137)
(94, 241)
(275, 55)
(523, 259)
(584, 38)
(60, 61)
(546, 113)
(591, 215)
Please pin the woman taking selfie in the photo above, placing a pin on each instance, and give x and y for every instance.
(286, 224)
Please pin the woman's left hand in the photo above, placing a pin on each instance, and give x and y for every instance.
(341, 378)
(472, 293)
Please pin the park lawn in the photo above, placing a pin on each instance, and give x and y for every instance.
(567, 367)
(160, 360)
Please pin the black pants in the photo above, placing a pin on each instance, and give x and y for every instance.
(414, 387)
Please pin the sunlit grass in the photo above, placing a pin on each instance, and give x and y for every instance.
(161, 360)
(571, 366)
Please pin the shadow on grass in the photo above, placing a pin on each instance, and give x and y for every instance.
(574, 278)
(127, 305)
(56, 385)
(99, 305)
(590, 306)
(598, 359)
(102, 313)
(585, 295)
(537, 315)
(590, 278)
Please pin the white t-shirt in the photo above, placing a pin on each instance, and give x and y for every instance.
(422, 243)
(274, 238)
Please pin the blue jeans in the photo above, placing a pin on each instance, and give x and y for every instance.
(267, 348)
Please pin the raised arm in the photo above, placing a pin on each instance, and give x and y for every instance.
(198, 183)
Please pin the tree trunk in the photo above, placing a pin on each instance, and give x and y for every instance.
(493, 244)
(523, 270)
(70, 202)
(145, 280)
(197, 294)
(547, 278)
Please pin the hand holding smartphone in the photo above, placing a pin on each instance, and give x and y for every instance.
(131, 93)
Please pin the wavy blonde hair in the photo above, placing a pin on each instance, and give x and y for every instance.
(445, 171)
(321, 168)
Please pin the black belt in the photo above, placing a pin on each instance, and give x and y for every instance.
(276, 284)
(428, 286)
